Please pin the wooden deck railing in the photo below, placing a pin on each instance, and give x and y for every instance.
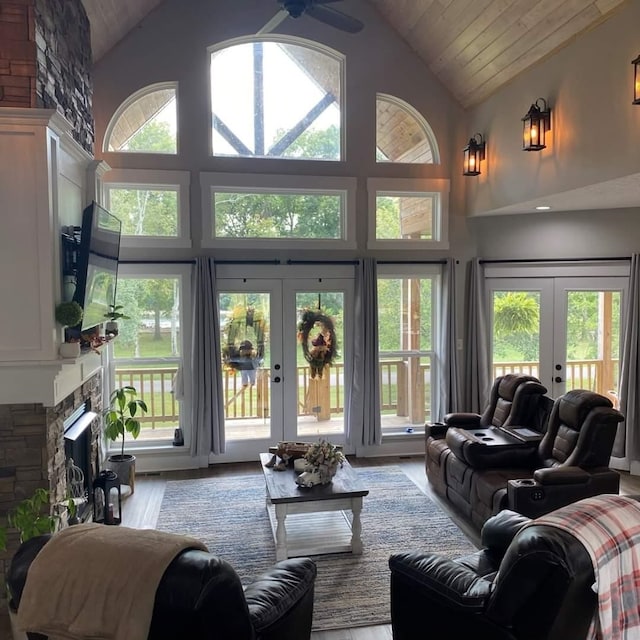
(578, 374)
(155, 387)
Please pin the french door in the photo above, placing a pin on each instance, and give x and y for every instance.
(284, 346)
(566, 331)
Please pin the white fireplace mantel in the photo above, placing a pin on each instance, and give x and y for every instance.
(47, 382)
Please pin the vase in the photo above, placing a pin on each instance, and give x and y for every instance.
(69, 349)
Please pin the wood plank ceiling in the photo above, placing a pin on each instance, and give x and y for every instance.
(473, 46)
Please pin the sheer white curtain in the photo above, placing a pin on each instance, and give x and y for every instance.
(363, 410)
(207, 404)
(477, 379)
(627, 442)
(448, 398)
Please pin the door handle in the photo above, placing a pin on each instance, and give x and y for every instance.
(276, 379)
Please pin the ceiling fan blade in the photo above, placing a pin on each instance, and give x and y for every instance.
(274, 22)
(334, 18)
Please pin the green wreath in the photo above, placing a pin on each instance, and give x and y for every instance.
(320, 350)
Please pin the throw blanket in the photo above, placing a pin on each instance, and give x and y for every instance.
(609, 528)
(92, 581)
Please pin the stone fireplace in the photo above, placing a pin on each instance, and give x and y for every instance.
(33, 455)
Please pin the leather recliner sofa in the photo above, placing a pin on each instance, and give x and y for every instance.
(200, 597)
(482, 472)
(531, 584)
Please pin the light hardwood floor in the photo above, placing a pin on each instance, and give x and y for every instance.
(141, 510)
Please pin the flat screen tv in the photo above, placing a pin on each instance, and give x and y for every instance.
(97, 264)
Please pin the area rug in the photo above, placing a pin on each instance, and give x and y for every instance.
(229, 515)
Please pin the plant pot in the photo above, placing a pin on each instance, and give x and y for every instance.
(69, 349)
(124, 467)
(111, 328)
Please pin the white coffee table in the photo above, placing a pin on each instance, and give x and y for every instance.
(315, 520)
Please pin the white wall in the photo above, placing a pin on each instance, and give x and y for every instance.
(595, 128)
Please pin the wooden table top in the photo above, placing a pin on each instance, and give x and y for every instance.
(281, 485)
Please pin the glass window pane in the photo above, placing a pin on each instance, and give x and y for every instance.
(516, 332)
(148, 348)
(401, 133)
(593, 341)
(147, 125)
(320, 363)
(404, 216)
(145, 212)
(273, 99)
(405, 339)
(261, 215)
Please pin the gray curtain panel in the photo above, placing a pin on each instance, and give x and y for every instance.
(448, 398)
(207, 400)
(363, 409)
(628, 439)
(477, 368)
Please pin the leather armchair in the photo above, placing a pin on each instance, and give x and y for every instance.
(531, 584)
(200, 597)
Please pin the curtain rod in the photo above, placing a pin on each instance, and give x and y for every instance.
(522, 260)
(442, 261)
(276, 261)
(323, 261)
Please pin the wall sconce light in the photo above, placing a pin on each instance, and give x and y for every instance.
(636, 80)
(535, 126)
(473, 153)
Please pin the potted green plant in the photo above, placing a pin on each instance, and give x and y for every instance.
(119, 419)
(113, 315)
(69, 314)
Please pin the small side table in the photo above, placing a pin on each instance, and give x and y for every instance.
(106, 482)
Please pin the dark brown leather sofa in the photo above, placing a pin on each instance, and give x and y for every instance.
(534, 584)
(200, 597)
(483, 470)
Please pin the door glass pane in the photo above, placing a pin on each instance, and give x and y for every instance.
(244, 329)
(147, 351)
(320, 363)
(405, 339)
(593, 341)
(516, 332)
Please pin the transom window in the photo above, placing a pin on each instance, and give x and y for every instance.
(407, 211)
(153, 206)
(402, 134)
(272, 98)
(146, 122)
(266, 209)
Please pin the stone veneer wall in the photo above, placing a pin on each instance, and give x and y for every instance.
(45, 61)
(32, 455)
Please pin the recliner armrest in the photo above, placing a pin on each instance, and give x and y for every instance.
(561, 475)
(435, 430)
(278, 591)
(444, 578)
(462, 420)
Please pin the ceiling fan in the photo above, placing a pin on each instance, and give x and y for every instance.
(316, 9)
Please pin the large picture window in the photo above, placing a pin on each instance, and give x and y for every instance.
(276, 98)
(262, 209)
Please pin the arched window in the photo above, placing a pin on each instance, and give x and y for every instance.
(402, 134)
(276, 97)
(146, 122)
